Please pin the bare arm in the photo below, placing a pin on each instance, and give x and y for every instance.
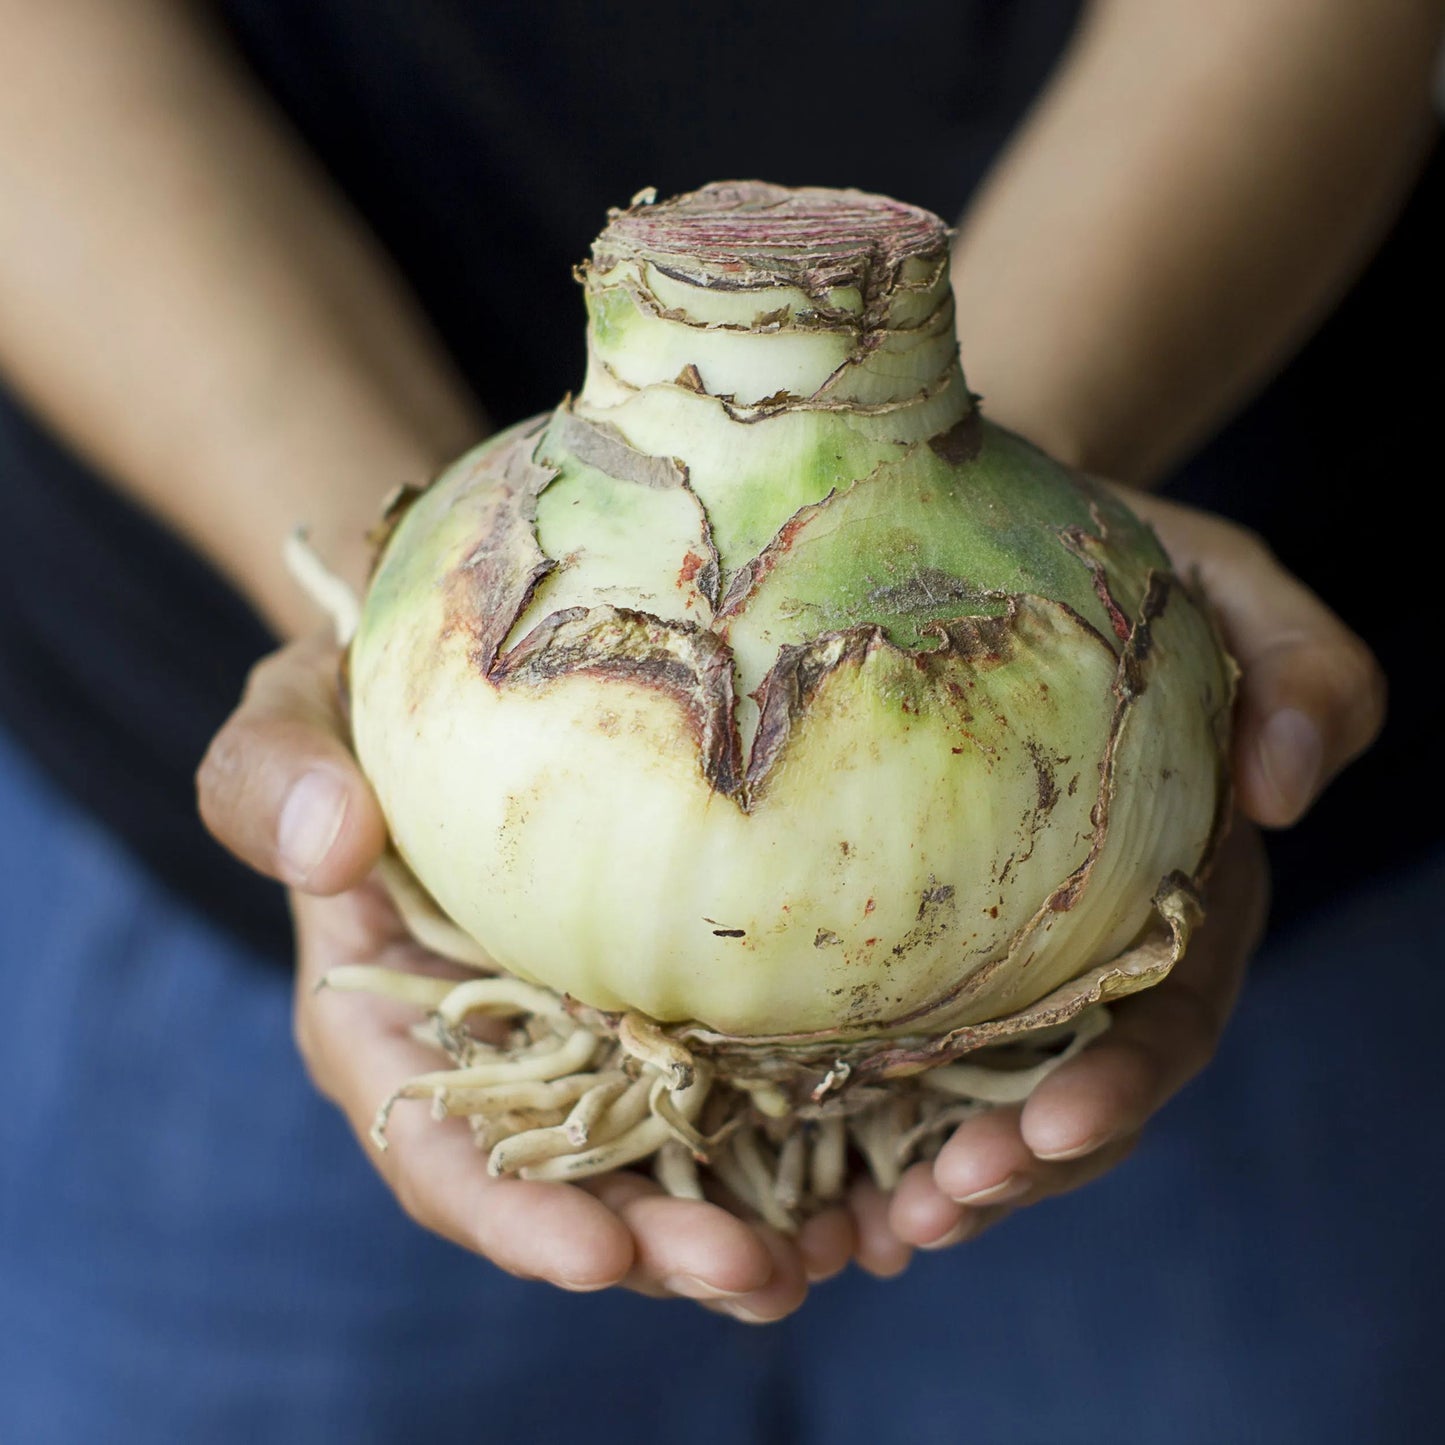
(186, 299)
(1193, 192)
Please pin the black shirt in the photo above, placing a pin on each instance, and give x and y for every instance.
(484, 143)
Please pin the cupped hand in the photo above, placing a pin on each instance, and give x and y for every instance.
(1086, 1116)
(1311, 698)
(280, 788)
(1311, 695)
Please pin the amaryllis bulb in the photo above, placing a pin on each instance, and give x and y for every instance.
(765, 688)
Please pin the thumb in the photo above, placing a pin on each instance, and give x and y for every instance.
(279, 786)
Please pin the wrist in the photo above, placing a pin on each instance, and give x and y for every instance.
(327, 474)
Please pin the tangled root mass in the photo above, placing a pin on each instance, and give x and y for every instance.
(558, 1098)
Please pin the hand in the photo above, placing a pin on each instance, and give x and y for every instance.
(1311, 695)
(280, 788)
(1311, 698)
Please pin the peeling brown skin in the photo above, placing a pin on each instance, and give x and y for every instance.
(962, 442)
(493, 587)
(1221, 725)
(808, 1066)
(749, 236)
(782, 401)
(489, 591)
(599, 445)
(1076, 540)
(980, 639)
(786, 691)
(396, 506)
(867, 326)
(744, 414)
(686, 663)
(703, 573)
(914, 1057)
(691, 665)
(749, 577)
(784, 694)
(1129, 684)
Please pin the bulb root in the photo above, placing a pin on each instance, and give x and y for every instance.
(755, 1179)
(676, 1170)
(828, 1167)
(395, 983)
(643, 1040)
(562, 1100)
(333, 596)
(504, 996)
(789, 1183)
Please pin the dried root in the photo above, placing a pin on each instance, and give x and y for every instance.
(333, 596)
(564, 1099)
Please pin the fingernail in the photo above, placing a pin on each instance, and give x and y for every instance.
(689, 1286)
(311, 818)
(582, 1286)
(1014, 1187)
(1073, 1151)
(964, 1229)
(745, 1315)
(1291, 752)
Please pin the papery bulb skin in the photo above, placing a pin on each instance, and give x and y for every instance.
(766, 686)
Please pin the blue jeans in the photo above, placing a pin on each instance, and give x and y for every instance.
(193, 1248)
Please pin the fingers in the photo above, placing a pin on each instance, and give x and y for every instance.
(700, 1251)
(986, 1160)
(1084, 1117)
(279, 786)
(359, 1052)
(1112, 1090)
(539, 1231)
(923, 1215)
(685, 1247)
(703, 1252)
(1161, 1038)
(880, 1250)
(785, 1290)
(826, 1243)
(617, 1229)
(1312, 696)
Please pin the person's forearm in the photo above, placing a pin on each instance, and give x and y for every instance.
(1196, 187)
(187, 302)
